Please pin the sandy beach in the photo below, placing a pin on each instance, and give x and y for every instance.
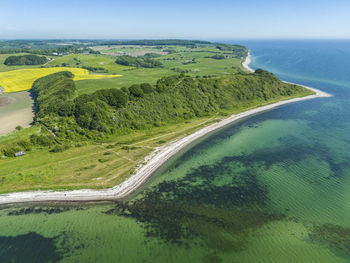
(246, 63)
(151, 164)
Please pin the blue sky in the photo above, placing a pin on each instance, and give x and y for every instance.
(215, 19)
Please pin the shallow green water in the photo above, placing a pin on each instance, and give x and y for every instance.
(272, 188)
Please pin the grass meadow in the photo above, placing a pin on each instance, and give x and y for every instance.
(174, 63)
(94, 165)
(107, 163)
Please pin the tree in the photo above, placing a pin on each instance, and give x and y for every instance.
(25, 60)
(146, 88)
(136, 91)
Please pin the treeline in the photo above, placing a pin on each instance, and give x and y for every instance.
(142, 106)
(218, 56)
(95, 69)
(40, 44)
(144, 62)
(49, 51)
(25, 60)
(67, 120)
(237, 50)
(58, 108)
(160, 42)
(53, 94)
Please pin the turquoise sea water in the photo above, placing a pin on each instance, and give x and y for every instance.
(272, 188)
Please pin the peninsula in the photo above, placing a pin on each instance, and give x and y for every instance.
(127, 133)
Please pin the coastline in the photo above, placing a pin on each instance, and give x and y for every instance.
(246, 63)
(150, 164)
(248, 60)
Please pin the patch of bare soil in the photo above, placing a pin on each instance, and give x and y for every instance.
(4, 101)
(22, 118)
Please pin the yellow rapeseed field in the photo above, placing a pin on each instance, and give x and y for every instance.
(23, 79)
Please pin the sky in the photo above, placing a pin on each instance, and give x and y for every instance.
(191, 19)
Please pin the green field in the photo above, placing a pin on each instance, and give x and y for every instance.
(94, 165)
(97, 145)
(89, 60)
(203, 66)
(125, 49)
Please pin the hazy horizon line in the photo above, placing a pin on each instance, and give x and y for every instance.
(169, 38)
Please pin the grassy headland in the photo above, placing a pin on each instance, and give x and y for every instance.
(93, 133)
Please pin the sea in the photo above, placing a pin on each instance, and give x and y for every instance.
(274, 187)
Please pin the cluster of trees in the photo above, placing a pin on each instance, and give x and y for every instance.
(218, 56)
(170, 50)
(53, 94)
(187, 62)
(49, 51)
(67, 119)
(236, 50)
(25, 60)
(27, 144)
(180, 70)
(144, 62)
(95, 69)
(57, 106)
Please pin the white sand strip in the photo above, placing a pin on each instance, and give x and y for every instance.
(246, 63)
(151, 163)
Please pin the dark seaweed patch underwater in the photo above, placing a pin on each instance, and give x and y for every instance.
(272, 188)
(200, 206)
(29, 248)
(335, 237)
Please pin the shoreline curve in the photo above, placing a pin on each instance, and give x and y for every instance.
(151, 163)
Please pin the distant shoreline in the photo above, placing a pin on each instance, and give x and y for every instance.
(246, 63)
(152, 162)
(248, 60)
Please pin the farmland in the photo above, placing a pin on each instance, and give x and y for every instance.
(178, 59)
(23, 79)
(15, 110)
(89, 60)
(175, 59)
(96, 140)
(93, 127)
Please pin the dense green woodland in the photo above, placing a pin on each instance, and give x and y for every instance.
(238, 50)
(25, 60)
(144, 62)
(67, 119)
